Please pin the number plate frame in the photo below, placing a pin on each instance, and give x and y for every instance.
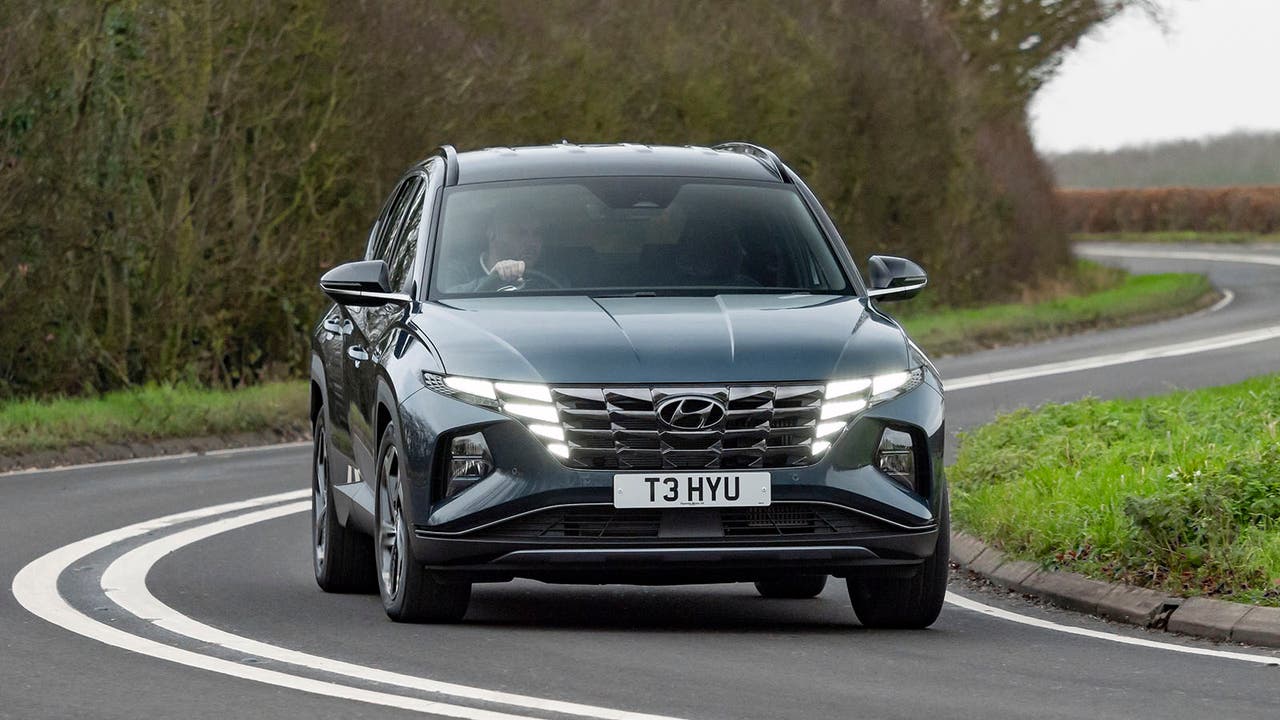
(692, 489)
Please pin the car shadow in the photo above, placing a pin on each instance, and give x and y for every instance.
(735, 608)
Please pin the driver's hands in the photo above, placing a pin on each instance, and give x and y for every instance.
(508, 270)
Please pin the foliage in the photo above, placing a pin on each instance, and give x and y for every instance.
(1180, 492)
(1241, 158)
(171, 190)
(175, 175)
(1230, 209)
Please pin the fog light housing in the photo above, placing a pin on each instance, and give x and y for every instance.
(896, 457)
(469, 463)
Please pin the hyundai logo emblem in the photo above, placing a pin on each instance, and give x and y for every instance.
(690, 412)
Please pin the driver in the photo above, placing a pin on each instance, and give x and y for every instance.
(514, 246)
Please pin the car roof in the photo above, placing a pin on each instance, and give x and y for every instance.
(570, 160)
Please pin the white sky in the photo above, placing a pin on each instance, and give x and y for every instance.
(1214, 70)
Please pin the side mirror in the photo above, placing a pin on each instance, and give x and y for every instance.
(365, 283)
(894, 278)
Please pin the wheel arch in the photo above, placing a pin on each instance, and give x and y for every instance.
(384, 409)
(319, 389)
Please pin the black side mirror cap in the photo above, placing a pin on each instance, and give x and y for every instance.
(365, 283)
(893, 278)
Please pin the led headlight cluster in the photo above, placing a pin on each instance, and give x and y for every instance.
(527, 402)
(845, 398)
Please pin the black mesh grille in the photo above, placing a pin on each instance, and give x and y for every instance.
(617, 428)
(782, 520)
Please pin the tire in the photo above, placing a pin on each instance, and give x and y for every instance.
(792, 588)
(410, 593)
(912, 602)
(341, 557)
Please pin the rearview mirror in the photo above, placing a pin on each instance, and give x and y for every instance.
(364, 283)
(894, 278)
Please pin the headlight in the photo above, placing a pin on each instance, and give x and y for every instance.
(845, 398)
(529, 403)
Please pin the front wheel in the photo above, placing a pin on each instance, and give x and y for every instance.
(914, 601)
(410, 593)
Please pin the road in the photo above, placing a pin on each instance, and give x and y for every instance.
(217, 615)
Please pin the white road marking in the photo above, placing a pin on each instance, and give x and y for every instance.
(1227, 297)
(975, 606)
(1190, 347)
(125, 581)
(36, 589)
(256, 448)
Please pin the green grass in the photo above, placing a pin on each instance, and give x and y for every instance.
(149, 413)
(1177, 236)
(1179, 492)
(1135, 298)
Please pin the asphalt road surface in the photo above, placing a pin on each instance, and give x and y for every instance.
(215, 614)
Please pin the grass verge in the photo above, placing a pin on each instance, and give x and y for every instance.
(149, 413)
(1179, 492)
(1177, 236)
(1128, 300)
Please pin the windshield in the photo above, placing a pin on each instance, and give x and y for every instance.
(630, 236)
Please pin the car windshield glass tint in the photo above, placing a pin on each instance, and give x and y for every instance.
(635, 235)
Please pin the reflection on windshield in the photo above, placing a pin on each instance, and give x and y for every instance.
(630, 236)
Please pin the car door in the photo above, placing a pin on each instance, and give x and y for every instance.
(368, 336)
(338, 325)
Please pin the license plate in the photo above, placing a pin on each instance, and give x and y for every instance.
(704, 489)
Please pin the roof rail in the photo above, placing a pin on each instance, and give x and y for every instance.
(763, 154)
(450, 156)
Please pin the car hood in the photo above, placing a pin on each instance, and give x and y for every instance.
(651, 340)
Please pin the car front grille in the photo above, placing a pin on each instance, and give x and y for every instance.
(778, 521)
(617, 428)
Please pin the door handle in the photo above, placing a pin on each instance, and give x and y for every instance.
(358, 354)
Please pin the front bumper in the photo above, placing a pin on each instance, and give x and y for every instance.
(490, 531)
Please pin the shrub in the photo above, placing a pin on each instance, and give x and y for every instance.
(1242, 209)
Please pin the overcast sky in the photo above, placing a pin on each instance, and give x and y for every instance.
(1215, 69)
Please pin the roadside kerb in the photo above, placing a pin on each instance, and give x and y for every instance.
(1202, 617)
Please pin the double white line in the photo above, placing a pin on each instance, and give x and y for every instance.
(125, 582)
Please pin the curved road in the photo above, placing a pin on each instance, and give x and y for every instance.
(215, 614)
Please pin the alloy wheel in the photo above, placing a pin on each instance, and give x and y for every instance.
(391, 530)
(320, 498)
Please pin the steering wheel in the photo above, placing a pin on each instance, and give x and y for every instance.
(538, 277)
